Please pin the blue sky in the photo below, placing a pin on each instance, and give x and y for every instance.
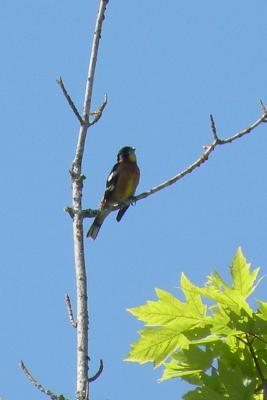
(165, 67)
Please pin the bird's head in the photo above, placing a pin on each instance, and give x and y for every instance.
(127, 153)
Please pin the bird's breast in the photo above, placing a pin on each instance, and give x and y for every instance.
(126, 184)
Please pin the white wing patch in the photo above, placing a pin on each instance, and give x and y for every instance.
(112, 176)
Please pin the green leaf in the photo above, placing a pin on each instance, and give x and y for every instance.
(167, 310)
(174, 370)
(242, 278)
(231, 321)
(214, 350)
(156, 344)
(213, 381)
(195, 357)
(192, 297)
(220, 322)
(233, 381)
(262, 310)
(198, 333)
(203, 393)
(218, 290)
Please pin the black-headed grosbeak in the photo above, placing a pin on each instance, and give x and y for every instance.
(121, 184)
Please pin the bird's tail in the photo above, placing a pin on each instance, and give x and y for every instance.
(121, 213)
(94, 229)
(96, 225)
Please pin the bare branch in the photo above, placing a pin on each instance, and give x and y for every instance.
(82, 389)
(99, 372)
(68, 304)
(72, 105)
(52, 395)
(98, 113)
(76, 213)
(201, 159)
(245, 131)
(92, 63)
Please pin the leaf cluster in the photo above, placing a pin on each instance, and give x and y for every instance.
(219, 347)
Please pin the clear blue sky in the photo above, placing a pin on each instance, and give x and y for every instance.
(165, 65)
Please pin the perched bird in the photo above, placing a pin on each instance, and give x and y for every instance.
(121, 184)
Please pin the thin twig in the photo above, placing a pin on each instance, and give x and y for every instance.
(92, 63)
(241, 340)
(263, 109)
(213, 127)
(255, 359)
(98, 113)
(68, 304)
(258, 338)
(99, 372)
(52, 395)
(67, 96)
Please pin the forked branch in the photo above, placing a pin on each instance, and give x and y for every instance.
(97, 114)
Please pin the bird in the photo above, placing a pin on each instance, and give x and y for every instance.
(121, 185)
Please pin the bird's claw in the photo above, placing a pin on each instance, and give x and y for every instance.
(133, 202)
(123, 204)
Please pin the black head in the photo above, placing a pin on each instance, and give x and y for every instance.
(126, 154)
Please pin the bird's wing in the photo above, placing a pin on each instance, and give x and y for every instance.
(111, 182)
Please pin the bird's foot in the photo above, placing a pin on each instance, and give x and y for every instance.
(121, 204)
